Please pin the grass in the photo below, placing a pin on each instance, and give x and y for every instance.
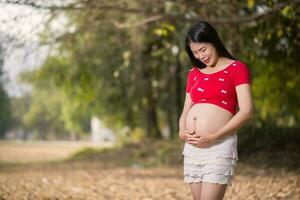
(262, 152)
(147, 153)
(257, 148)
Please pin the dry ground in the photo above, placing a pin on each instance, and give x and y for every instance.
(40, 151)
(87, 179)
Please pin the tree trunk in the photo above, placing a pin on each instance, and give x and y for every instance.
(178, 92)
(152, 120)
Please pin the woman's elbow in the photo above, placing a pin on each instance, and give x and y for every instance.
(248, 113)
(251, 114)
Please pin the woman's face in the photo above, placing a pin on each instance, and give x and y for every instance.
(205, 52)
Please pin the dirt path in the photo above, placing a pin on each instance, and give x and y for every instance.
(88, 180)
(39, 151)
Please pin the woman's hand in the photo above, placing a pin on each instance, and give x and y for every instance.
(184, 134)
(201, 140)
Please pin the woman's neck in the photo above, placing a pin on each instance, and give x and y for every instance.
(221, 61)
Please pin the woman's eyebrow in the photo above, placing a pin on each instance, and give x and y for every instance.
(198, 49)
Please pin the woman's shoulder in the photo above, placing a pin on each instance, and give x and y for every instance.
(193, 68)
(240, 63)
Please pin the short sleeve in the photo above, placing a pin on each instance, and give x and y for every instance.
(242, 74)
(190, 80)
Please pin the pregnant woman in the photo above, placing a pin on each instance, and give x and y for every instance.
(218, 102)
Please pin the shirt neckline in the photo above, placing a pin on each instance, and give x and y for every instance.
(218, 71)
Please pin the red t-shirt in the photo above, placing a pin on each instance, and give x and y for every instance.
(218, 88)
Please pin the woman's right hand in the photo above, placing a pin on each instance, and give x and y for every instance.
(184, 134)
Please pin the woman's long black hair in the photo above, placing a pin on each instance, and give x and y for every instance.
(204, 32)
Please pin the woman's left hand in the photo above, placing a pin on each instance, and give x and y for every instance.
(203, 140)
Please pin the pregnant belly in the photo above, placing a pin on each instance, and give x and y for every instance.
(206, 118)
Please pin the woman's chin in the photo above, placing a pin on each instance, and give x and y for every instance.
(208, 65)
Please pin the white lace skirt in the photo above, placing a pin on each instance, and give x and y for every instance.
(214, 164)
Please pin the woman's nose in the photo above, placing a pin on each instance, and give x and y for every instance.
(198, 56)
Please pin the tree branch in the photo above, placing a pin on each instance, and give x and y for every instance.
(156, 17)
(240, 20)
(72, 6)
(252, 18)
(140, 23)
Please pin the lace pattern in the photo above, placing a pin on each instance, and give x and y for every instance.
(213, 165)
(210, 178)
(218, 170)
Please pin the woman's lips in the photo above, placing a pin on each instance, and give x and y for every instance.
(206, 61)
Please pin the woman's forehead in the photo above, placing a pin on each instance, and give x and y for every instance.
(198, 45)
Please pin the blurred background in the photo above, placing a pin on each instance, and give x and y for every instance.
(96, 73)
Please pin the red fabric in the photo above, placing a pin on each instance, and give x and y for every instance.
(218, 88)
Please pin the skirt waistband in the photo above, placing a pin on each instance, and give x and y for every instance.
(226, 147)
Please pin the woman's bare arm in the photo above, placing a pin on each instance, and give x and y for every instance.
(182, 124)
(244, 114)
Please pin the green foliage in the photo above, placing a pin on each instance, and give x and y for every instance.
(89, 153)
(43, 116)
(146, 153)
(273, 150)
(135, 76)
(272, 50)
(51, 112)
(5, 115)
(5, 111)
